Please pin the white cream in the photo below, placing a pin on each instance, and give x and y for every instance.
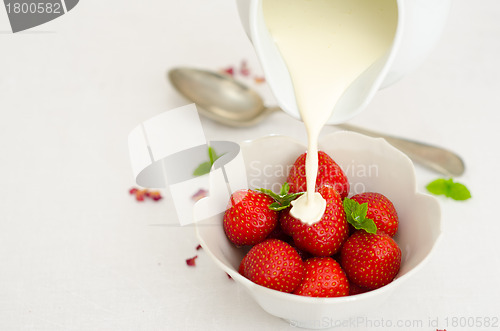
(326, 45)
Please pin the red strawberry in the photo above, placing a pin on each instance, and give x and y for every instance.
(303, 254)
(274, 264)
(370, 260)
(288, 223)
(241, 268)
(325, 237)
(329, 173)
(355, 289)
(248, 219)
(278, 233)
(323, 278)
(380, 210)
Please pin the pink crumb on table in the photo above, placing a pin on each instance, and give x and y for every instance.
(155, 195)
(192, 261)
(229, 71)
(200, 194)
(259, 79)
(244, 69)
(141, 194)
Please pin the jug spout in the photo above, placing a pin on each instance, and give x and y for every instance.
(360, 92)
(359, 46)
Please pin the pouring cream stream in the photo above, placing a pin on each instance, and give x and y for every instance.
(326, 45)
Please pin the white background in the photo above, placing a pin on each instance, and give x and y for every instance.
(77, 252)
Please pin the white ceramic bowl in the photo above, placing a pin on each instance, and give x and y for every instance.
(371, 165)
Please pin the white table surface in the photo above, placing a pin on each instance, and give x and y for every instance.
(77, 252)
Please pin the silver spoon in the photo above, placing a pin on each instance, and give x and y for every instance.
(223, 99)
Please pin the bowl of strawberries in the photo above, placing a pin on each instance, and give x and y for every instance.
(376, 231)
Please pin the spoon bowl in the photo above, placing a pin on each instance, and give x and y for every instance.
(220, 98)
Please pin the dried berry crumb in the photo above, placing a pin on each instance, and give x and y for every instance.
(200, 194)
(141, 194)
(228, 276)
(155, 195)
(259, 80)
(191, 261)
(229, 71)
(244, 70)
(198, 247)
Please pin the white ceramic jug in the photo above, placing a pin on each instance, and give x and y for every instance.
(419, 26)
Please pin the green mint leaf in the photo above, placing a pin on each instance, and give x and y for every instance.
(212, 155)
(205, 167)
(438, 186)
(202, 169)
(361, 211)
(349, 205)
(459, 191)
(368, 225)
(356, 216)
(449, 188)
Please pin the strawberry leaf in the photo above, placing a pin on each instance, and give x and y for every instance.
(449, 188)
(283, 199)
(276, 206)
(356, 216)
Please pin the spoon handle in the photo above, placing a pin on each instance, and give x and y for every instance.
(433, 157)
